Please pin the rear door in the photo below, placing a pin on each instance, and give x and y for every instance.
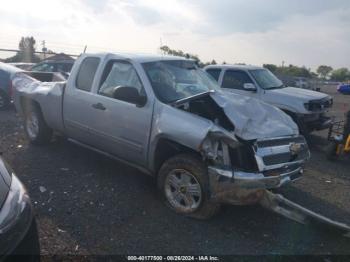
(234, 80)
(78, 100)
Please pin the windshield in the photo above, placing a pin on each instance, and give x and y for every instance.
(178, 79)
(266, 79)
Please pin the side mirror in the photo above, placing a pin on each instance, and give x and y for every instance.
(249, 87)
(129, 94)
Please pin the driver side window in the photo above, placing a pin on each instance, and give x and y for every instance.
(235, 80)
(119, 73)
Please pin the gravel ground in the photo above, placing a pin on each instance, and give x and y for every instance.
(88, 204)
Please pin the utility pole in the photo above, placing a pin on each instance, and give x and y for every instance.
(283, 64)
(85, 49)
(44, 49)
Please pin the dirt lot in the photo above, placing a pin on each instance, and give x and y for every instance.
(88, 204)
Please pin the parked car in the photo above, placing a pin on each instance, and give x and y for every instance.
(307, 108)
(168, 118)
(6, 73)
(344, 89)
(23, 66)
(18, 232)
(61, 66)
(302, 82)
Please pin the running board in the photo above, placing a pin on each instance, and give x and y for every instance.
(291, 210)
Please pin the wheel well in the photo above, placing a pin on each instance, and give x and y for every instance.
(2, 92)
(167, 149)
(27, 103)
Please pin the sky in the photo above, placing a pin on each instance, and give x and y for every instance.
(305, 33)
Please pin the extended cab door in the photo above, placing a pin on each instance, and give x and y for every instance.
(235, 80)
(78, 98)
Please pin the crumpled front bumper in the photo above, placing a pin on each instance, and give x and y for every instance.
(240, 188)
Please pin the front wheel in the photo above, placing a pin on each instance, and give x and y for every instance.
(183, 183)
(36, 128)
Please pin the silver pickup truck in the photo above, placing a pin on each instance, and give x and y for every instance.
(168, 118)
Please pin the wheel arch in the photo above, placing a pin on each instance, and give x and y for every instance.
(167, 148)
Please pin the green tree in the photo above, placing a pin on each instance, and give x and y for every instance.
(324, 70)
(341, 74)
(26, 52)
(167, 50)
(271, 67)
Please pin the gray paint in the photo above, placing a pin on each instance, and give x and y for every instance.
(132, 133)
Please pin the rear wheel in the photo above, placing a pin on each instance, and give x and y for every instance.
(36, 128)
(4, 101)
(183, 183)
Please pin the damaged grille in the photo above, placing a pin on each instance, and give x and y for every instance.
(318, 105)
(283, 152)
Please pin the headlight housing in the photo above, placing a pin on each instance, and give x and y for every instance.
(17, 200)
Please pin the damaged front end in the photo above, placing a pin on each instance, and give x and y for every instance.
(249, 148)
(240, 171)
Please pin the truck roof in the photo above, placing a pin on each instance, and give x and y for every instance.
(140, 58)
(228, 66)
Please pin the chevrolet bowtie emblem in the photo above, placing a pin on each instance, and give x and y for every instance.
(295, 148)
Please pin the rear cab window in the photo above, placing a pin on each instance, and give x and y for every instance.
(86, 74)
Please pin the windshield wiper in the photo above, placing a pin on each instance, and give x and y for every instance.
(186, 99)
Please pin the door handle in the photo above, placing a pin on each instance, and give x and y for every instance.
(99, 106)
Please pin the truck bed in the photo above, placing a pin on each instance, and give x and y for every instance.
(47, 95)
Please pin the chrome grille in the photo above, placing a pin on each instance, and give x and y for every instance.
(281, 152)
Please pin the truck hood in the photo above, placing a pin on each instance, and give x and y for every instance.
(254, 119)
(293, 93)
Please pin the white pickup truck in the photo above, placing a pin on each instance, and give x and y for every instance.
(306, 107)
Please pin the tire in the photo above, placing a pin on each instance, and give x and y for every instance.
(179, 174)
(35, 126)
(29, 248)
(4, 101)
(331, 151)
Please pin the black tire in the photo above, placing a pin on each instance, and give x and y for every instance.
(4, 101)
(43, 134)
(331, 151)
(195, 166)
(29, 248)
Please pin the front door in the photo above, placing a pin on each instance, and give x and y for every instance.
(118, 127)
(234, 80)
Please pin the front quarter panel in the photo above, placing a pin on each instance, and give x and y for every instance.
(178, 126)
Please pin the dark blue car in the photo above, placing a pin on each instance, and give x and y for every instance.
(344, 89)
(6, 73)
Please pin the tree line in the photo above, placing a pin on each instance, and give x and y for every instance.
(323, 71)
(27, 47)
(26, 53)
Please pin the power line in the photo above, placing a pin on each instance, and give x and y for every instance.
(36, 52)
